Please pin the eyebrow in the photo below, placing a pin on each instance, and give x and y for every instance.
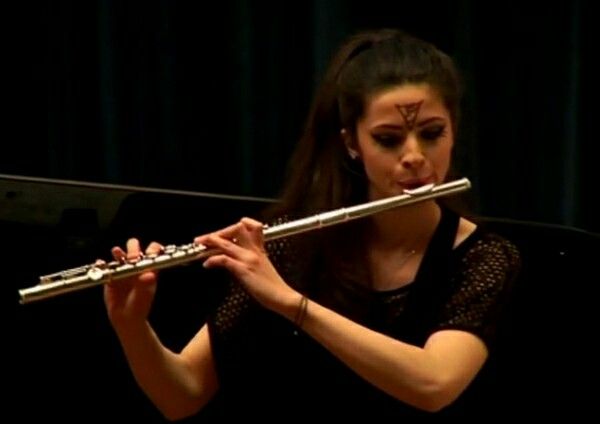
(419, 124)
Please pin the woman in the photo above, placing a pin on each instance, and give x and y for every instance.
(392, 315)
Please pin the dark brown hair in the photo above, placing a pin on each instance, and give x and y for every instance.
(320, 175)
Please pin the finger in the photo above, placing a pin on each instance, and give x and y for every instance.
(239, 269)
(249, 222)
(118, 253)
(227, 262)
(133, 249)
(236, 257)
(154, 248)
(255, 231)
(229, 233)
(226, 246)
(147, 278)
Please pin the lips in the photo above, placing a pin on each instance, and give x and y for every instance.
(416, 183)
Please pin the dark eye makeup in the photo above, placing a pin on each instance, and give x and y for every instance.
(391, 140)
(432, 133)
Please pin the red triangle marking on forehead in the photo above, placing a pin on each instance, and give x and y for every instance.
(410, 112)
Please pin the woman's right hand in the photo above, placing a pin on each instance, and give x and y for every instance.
(128, 301)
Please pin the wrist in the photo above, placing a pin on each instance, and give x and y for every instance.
(296, 309)
(301, 311)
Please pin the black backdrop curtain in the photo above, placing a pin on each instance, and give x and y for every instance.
(212, 96)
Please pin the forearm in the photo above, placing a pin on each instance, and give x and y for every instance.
(163, 375)
(409, 373)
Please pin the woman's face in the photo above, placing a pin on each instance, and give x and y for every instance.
(404, 140)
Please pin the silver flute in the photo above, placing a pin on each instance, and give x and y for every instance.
(101, 272)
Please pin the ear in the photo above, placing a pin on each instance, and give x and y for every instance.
(350, 144)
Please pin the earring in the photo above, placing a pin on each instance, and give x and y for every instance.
(353, 154)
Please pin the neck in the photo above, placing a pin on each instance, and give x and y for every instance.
(406, 227)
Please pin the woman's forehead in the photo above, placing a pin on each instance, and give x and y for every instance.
(407, 103)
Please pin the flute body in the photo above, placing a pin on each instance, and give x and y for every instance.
(79, 278)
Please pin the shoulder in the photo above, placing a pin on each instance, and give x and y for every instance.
(477, 240)
(486, 253)
(465, 229)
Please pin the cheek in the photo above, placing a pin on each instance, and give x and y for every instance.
(377, 162)
(441, 161)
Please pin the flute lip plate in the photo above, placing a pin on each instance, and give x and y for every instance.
(419, 190)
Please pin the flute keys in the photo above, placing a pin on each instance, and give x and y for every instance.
(178, 254)
(144, 263)
(162, 258)
(63, 275)
(95, 274)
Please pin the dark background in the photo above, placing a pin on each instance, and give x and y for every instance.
(211, 97)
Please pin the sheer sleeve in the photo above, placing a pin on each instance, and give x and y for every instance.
(237, 303)
(233, 323)
(481, 283)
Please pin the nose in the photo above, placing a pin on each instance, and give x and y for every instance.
(411, 153)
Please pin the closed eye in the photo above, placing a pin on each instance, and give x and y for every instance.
(388, 140)
(433, 133)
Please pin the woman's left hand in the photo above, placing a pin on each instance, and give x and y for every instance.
(242, 252)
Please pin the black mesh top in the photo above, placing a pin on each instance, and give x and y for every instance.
(267, 368)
